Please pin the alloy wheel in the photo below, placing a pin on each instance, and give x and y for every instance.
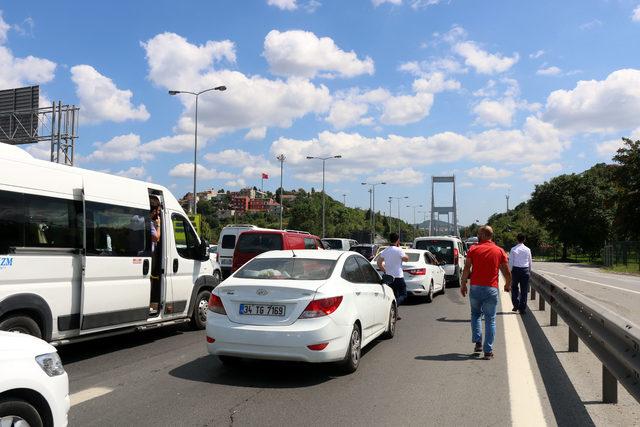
(392, 320)
(13, 421)
(203, 306)
(355, 346)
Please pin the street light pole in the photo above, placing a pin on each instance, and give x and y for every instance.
(324, 159)
(415, 224)
(373, 206)
(195, 151)
(398, 199)
(282, 158)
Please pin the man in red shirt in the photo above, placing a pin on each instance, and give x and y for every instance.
(484, 262)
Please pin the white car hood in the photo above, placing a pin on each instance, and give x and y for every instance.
(15, 343)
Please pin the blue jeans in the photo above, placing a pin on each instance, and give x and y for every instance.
(520, 287)
(399, 290)
(484, 300)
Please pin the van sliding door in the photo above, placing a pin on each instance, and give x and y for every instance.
(116, 282)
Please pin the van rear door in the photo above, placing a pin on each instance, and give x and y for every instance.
(116, 282)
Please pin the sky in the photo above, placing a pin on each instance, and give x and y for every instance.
(504, 95)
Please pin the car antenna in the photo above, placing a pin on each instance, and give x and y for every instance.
(294, 254)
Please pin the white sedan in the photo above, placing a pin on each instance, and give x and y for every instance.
(34, 388)
(304, 305)
(423, 274)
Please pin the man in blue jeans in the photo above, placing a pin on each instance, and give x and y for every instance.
(484, 262)
(390, 262)
(520, 262)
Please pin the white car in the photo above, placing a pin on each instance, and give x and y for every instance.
(303, 305)
(423, 274)
(449, 249)
(34, 388)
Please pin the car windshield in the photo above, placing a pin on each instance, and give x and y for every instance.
(333, 243)
(441, 249)
(287, 269)
(413, 257)
(259, 242)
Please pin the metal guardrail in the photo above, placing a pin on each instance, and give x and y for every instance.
(614, 340)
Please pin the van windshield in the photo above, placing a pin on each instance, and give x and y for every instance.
(441, 249)
(333, 243)
(259, 242)
(287, 269)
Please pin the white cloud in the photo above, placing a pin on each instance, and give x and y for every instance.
(250, 102)
(256, 134)
(377, 3)
(538, 172)
(4, 29)
(595, 23)
(606, 105)
(482, 61)
(498, 185)
(404, 109)
(134, 172)
(549, 71)
(185, 170)
(119, 149)
(173, 144)
(405, 176)
(446, 65)
(40, 150)
(635, 16)
(487, 172)
(537, 54)
(346, 113)
(491, 113)
(101, 100)
(303, 54)
(17, 72)
(251, 165)
(607, 149)
(421, 4)
(283, 4)
(236, 184)
(435, 83)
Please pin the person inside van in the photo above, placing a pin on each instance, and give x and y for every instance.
(156, 227)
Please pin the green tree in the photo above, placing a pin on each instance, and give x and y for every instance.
(627, 174)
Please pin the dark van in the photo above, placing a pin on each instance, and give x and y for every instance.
(254, 242)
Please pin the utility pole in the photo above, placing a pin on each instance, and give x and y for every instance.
(324, 159)
(282, 158)
(398, 199)
(344, 200)
(372, 190)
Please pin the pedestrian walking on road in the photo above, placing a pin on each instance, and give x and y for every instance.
(520, 263)
(484, 262)
(390, 262)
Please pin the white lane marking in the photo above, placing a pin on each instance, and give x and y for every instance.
(526, 407)
(589, 281)
(88, 394)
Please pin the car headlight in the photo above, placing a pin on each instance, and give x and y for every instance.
(51, 364)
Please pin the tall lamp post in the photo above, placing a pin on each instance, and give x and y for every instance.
(281, 158)
(324, 159)
(195, 150)
(373, 207)
(398, 199)
(415, 224)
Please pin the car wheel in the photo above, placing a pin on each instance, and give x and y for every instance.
(22, 324)
(230, 361)
(430, 294)
(444, 287)
(352, 358)
(391, 324)
(17, 412)
(199, 316)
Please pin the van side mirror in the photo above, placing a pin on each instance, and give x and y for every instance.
(387, 279)
(203, 250)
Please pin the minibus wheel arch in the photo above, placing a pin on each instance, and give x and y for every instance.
(31, 305)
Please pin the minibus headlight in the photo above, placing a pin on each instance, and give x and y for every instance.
(51, 364)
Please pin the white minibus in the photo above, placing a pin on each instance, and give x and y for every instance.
(77, 257)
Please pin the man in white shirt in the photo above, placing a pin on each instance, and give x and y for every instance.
(390, 262)
(520, 263)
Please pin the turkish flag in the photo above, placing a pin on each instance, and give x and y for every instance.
(265, 175)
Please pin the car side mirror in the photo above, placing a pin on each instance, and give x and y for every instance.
(204, 250)
(387, 279)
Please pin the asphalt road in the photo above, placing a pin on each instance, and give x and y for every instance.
(619, 293)
(426, 375)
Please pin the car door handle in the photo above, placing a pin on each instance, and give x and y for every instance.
(145, 267)
(175, 265)
(357, 293)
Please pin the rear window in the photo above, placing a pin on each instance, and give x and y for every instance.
(259, 242)
(413, 257)
(333, 243)
(286, 269)
(441, 249)
(365, 251)
(229, 241)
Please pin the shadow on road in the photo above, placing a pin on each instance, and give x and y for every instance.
(449, 357)
(566, 404)
(444, 319)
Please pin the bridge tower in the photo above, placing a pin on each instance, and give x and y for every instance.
(438, 211)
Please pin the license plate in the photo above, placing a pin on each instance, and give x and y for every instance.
(225, 261)
(262, 310)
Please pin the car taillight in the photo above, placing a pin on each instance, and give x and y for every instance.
(417, 271)
(318, 347)
(321, 307)
(455, 255)
(215, 304)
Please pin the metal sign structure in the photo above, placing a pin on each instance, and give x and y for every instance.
(437, 211)
(23, 121)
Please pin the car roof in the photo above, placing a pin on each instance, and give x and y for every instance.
(304, 253)
(438, 238)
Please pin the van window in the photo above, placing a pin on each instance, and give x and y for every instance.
(186, 239)
(229, 241)
(117, 230)
(441, 249)
(309, 243)
(259, 242)
(27, 220)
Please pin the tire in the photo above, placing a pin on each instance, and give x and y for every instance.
(444, 288)
(199, 316)
(352, 359)
(19, 410)
(230, 361)
(22, 324)
(429, 297)
(391, 323)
